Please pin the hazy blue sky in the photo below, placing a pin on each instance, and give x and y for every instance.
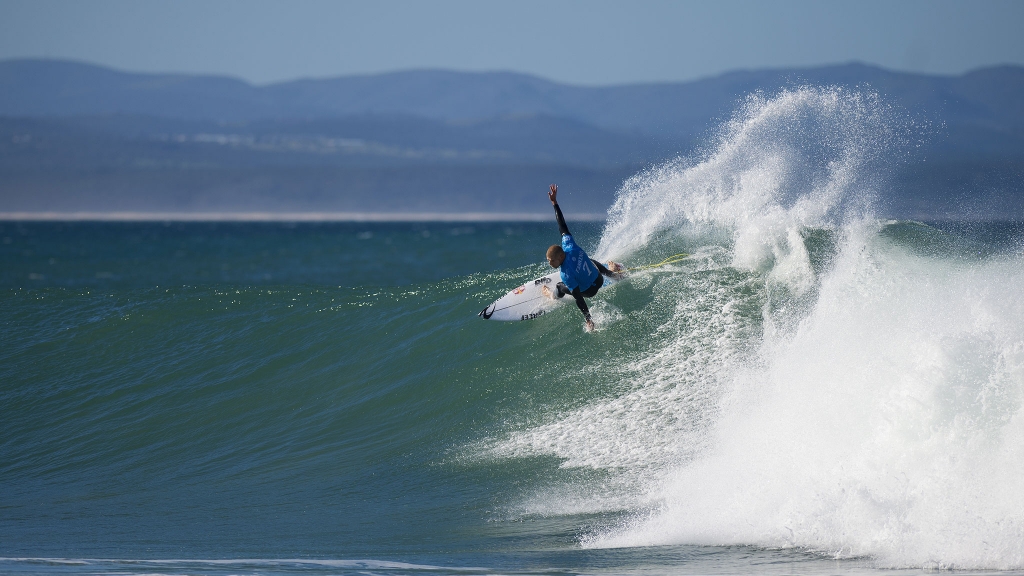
(583, 42)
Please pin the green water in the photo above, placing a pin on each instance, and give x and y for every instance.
(243, 398)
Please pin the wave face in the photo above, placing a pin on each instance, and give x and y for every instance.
(813, 390)
(815, 378)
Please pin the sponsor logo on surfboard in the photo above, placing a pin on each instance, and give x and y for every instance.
(520, 290)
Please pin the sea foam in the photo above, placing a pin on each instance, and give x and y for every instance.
(889, 425)
(871, 408)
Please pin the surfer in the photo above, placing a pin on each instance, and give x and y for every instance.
(581, 276)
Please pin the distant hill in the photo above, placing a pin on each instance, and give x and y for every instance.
(989, 97)
(77, 136)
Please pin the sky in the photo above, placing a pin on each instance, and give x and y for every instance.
(592, 42)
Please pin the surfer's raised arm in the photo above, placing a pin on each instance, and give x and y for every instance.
(553, 196)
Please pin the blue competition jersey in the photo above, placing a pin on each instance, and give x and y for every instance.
(576, 269)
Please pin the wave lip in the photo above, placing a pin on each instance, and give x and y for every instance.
(806, 158)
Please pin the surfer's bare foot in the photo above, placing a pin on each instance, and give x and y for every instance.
(618, 270)
(547, 292)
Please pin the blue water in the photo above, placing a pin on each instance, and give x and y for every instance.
(816, 389)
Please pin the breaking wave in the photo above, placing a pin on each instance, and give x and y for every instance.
(812, 376)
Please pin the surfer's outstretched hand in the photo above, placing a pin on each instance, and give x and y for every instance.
(590, 325)
(553, 193)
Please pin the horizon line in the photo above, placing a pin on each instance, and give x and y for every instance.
(139, 216)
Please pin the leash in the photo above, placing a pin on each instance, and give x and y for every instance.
(670, 260)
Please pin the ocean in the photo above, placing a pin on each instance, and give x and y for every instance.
(816, 389)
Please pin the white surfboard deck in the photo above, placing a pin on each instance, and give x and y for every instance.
(528, 301)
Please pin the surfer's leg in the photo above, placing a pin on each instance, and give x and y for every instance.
(581, 303)
(577, 295)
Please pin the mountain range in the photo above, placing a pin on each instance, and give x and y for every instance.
(76, 137)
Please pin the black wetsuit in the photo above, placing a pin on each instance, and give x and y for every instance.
(577, 294)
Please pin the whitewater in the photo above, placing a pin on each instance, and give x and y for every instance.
(817, 388)
(866, 402)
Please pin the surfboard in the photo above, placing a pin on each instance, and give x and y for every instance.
(529, 301)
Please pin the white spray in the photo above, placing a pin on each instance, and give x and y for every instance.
(882, 418)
